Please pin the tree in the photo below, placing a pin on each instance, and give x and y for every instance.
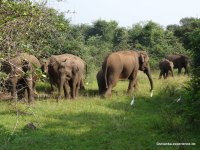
(103, 29)
(120, 40)
(182, 31)
(33, 28)
(152, 38)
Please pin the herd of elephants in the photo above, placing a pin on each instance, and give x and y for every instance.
(67, 72)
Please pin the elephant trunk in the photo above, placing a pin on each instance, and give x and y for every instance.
(61, 84)
(148, 73)
(172, 72)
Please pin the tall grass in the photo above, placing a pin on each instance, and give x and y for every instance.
(91, 122)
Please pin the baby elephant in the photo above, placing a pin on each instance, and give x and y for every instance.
(166, 67)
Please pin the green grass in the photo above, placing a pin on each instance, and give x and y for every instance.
(91, 122)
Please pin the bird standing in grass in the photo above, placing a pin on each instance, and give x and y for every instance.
(178, 99)
(132, 101)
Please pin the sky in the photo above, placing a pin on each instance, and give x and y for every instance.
(127, 12)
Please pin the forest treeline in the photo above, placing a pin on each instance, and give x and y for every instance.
(42, 31)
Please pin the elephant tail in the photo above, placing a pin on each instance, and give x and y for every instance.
(86, 69)
(106, 78)
(105, 69)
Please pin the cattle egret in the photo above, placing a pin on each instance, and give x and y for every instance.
(151, 93)
(43, 75)
(178, 99)
(132, 101)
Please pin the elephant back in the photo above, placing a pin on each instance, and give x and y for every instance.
(165, 63)
(178, 60)
(30, 58)
(71, 58)
(17, 62)
(55, 61)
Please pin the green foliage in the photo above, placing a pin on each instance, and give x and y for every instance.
(182, 31)
(98, 49)
(154, 39)
(32, 28)
(193, 102)
(120, 39)
(103, 29)
(42, 31)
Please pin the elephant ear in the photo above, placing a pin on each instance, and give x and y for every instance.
(26, 65)
(44, 65)
(75, 69)
(143, 60)
(6, 66)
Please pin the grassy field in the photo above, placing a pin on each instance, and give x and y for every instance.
(91, 122)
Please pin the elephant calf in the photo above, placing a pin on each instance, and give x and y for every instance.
(70, 73)
(166, 67)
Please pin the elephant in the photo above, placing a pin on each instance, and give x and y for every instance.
(166, 66)
(123, 65)
(21, 72)
(55, 62)
(179, 61)
(70, 73)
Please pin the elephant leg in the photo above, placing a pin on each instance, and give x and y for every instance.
(51, 83)
(179, 70)
(186, 70)
(167, 74)
(14, 91)
(164, 75)
(132, 82)
(21, 90)
(35, 94)
(78, 87)
(130, 86)
(160, 76)
(111, 84)
(82, 87)
(136, 84)
(67, 90)
(108, 92)
(30, 89)
(73, 90)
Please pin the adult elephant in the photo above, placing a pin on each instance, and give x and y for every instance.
(124, 65)
(21, 71)
(179, 61)
(166, 66)
(55, 63)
